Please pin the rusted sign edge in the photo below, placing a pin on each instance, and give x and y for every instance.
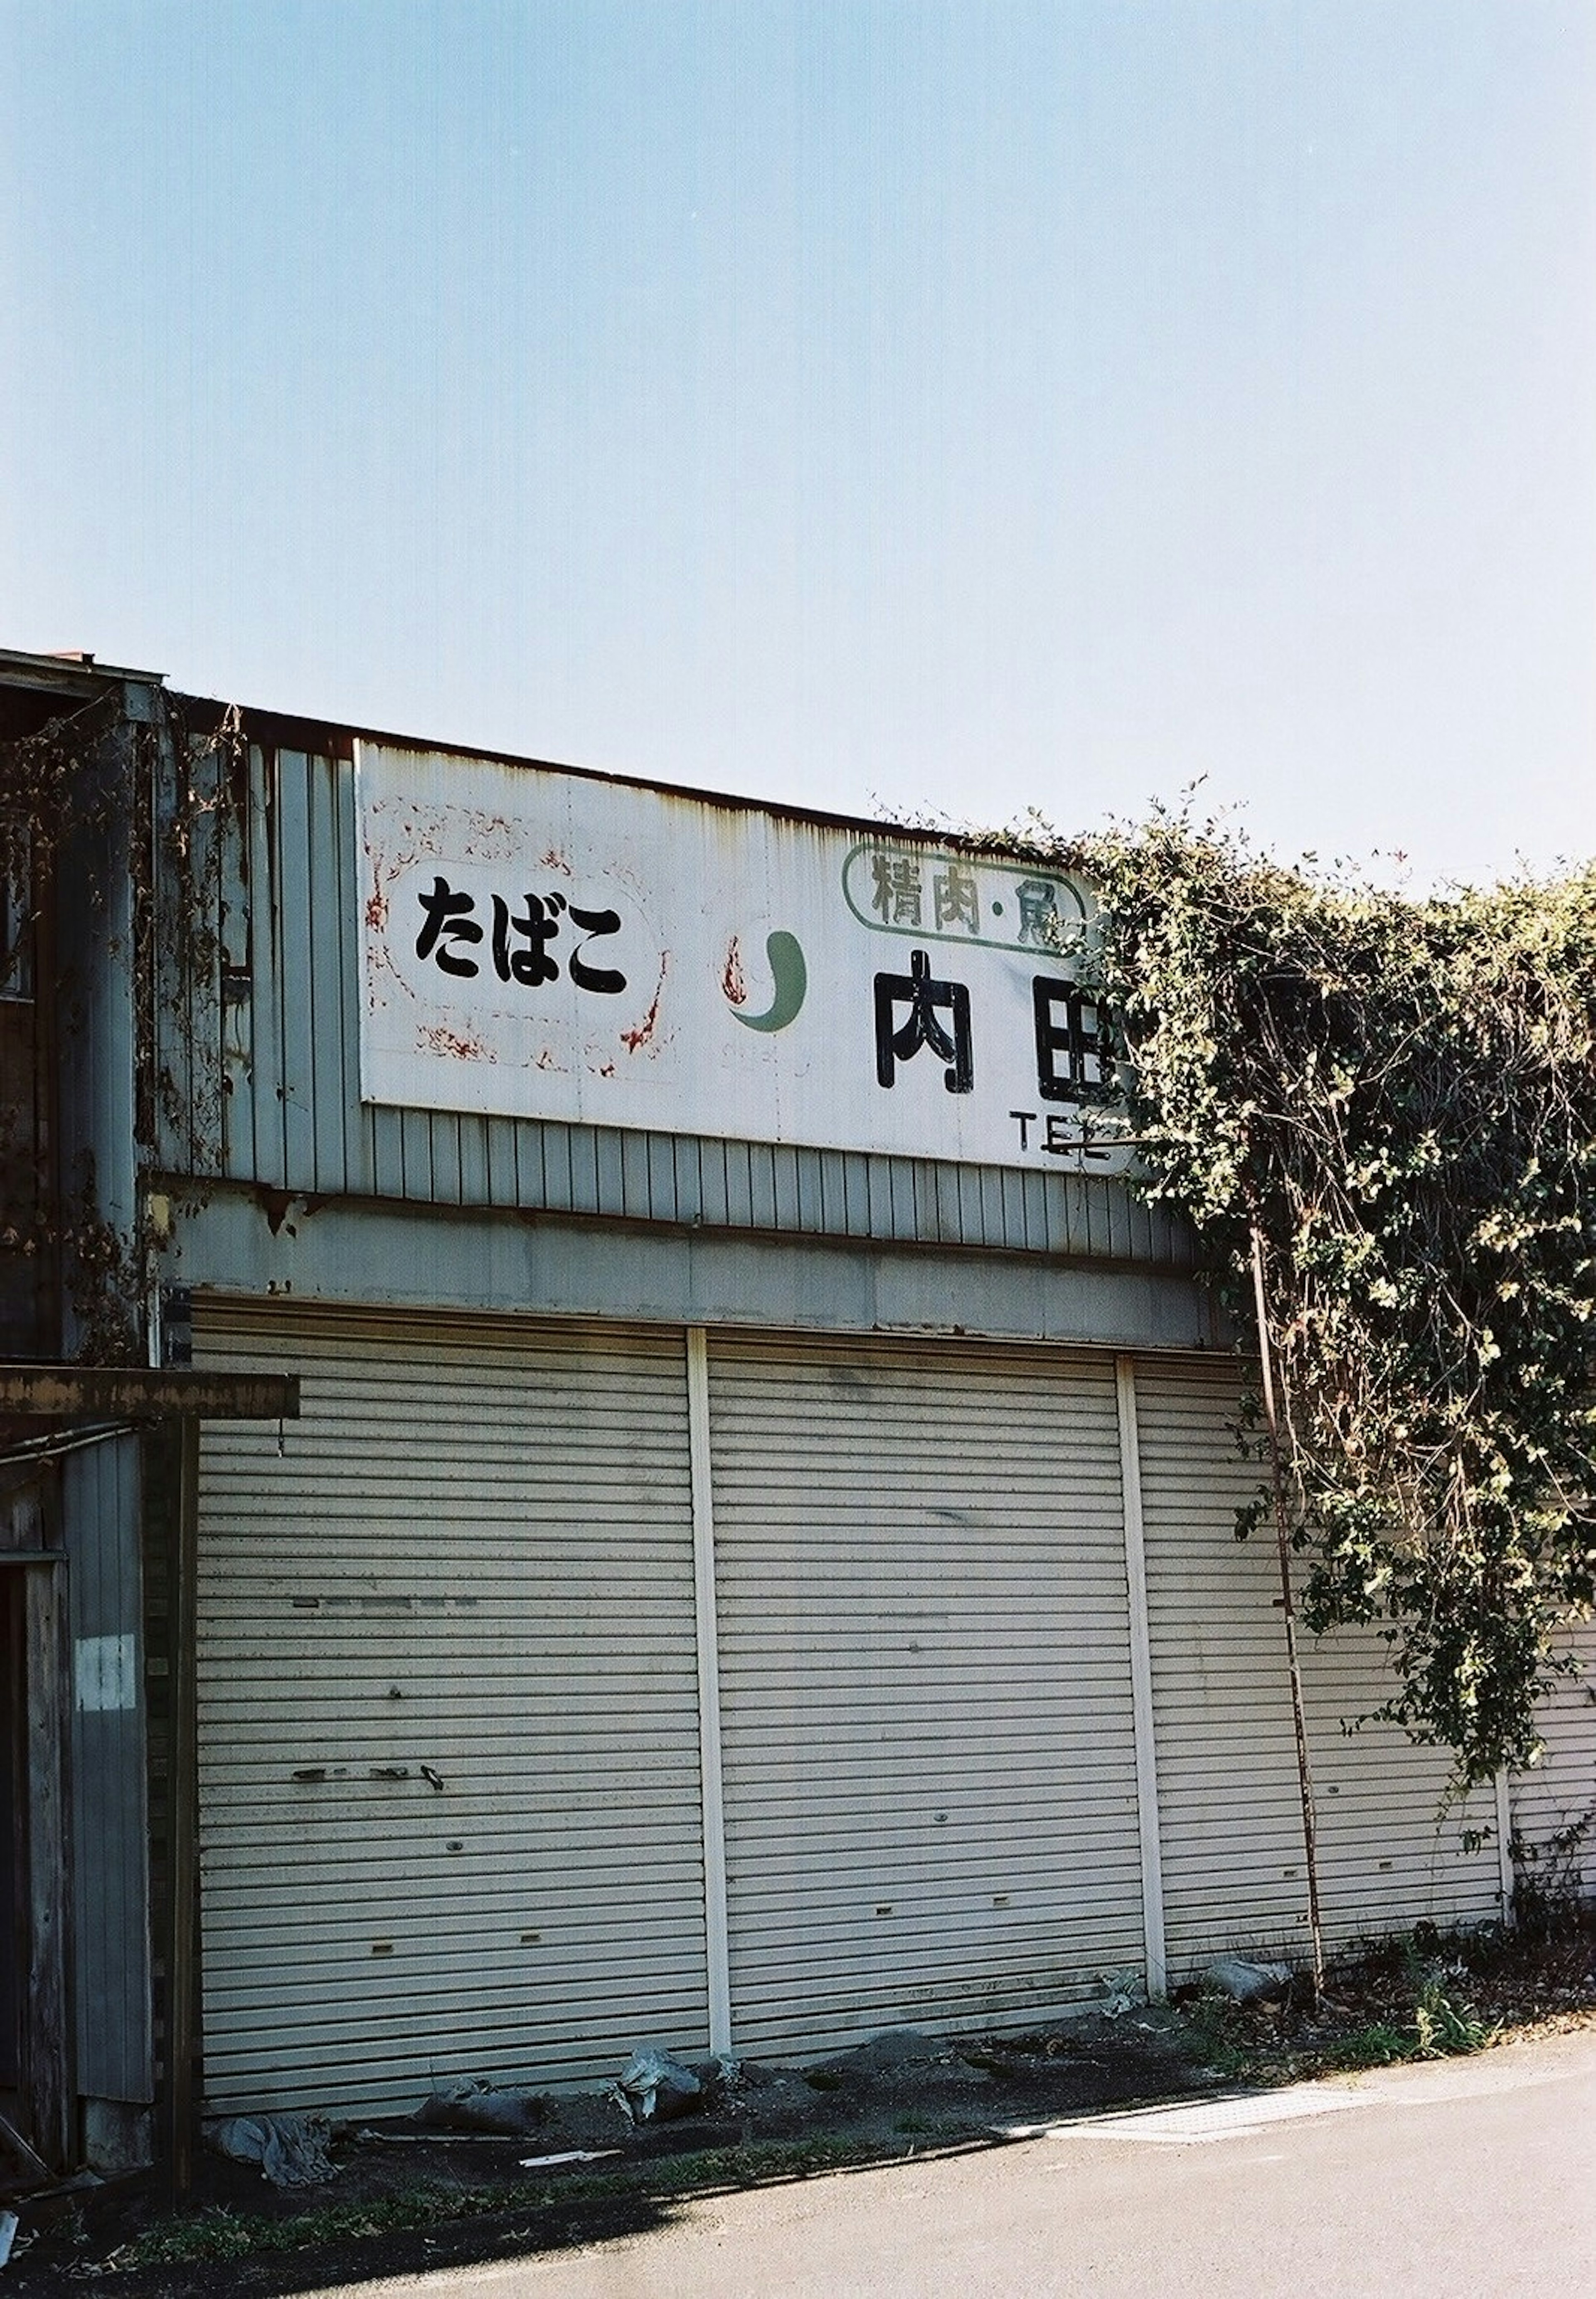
(54, 1391)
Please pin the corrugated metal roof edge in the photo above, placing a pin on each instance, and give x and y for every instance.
(333, 738)
(286, 730)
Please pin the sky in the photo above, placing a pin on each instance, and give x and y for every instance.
(945, 408)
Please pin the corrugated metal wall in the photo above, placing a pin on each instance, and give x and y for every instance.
(111, 1934)
(284, 1109)
(451, 1821)
(926, 1702)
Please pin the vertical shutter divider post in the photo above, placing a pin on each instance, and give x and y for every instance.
(716, 1936)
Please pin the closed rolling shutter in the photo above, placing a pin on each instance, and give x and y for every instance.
(1230, 1815)
(1394, 1838)
(1391, 1842)
(930, 1782)
(450, 1803)
(1554, 1803)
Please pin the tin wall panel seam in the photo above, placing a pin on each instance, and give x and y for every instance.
(357, 1125)
(265, 986)
(234, 1022)
(295, 944)
(333, 1061)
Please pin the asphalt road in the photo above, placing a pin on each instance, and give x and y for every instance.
(1461, 2179)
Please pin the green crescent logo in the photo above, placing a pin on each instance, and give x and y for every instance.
(785, 954)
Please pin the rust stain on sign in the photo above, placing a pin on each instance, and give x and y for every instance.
(732, 980)
(457, 1047)
(632, 1040)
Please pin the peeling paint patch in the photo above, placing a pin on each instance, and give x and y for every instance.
(732, 980)
(454, 1045)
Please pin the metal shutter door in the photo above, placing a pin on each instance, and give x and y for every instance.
(1390, 1832)
(1557, 1798)
(1391, 1846)
(926, 1734)
(473, 1554)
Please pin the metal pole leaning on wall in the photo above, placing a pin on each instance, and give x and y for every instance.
(1289, 1613)
(1502, 1791)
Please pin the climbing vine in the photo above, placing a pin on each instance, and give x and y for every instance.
(111, 833)
(1398, 1095)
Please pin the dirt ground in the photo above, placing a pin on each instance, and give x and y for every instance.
(404, 2198)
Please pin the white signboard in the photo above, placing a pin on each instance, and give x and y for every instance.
(541, 944)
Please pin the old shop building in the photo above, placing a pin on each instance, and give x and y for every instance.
(753, 1560)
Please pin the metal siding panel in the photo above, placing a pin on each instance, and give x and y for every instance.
(387, 1152)
(190, 1106)
(444, 1132)
(329, 878)
(761, 1185)
(899, 1190)
(663, 1196)
(850, 1209)
(415, 1154)
(236, 1019)
(503, 1188)
(265, 986)
(491, 1519)
(822, 1191)
(632, 1184)
(546, 1163)
(938, 1194)
(295, 1017)
(1116, 1205)
(686, 1167)
(739, 1183)
(922, 1612)
(587, 1156)
(795, 1188)
(723, 1167)
(358, 1126)
(474, 1185)
(110, 1828)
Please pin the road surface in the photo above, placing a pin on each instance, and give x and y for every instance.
(1456, 2179)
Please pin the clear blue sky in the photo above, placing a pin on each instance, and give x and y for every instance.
(963, 406)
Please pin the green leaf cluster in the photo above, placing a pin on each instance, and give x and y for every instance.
(1399, 1095)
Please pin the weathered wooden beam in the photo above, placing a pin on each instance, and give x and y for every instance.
(57, 1392)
